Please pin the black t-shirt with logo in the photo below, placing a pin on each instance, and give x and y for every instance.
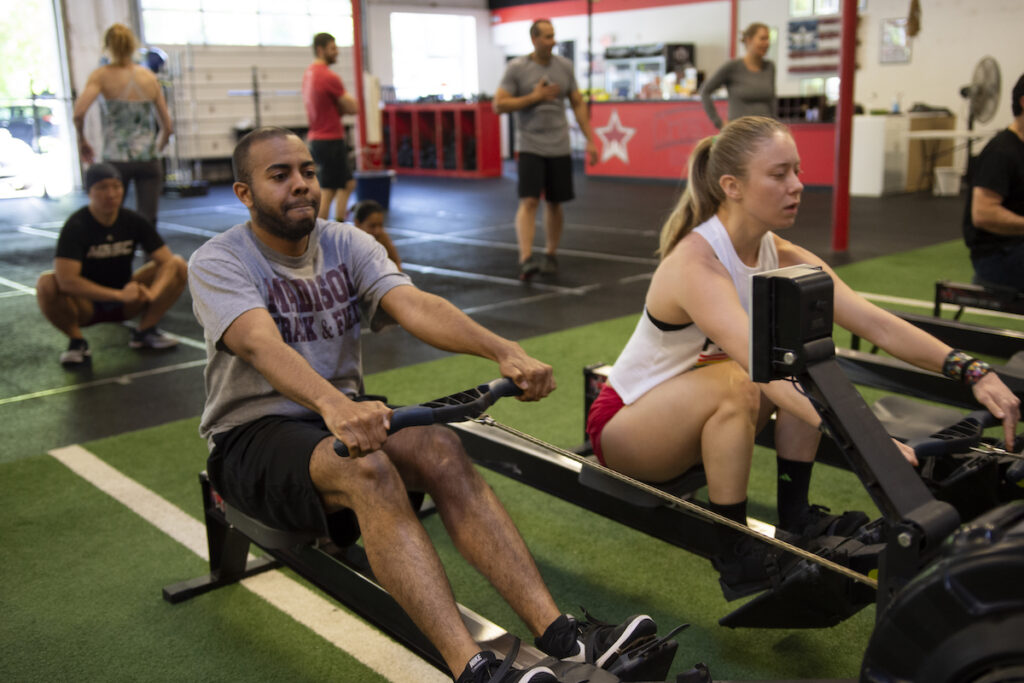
(106, 252)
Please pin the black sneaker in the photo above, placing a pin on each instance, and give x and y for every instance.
(549, 266)
(749, 566)
(529, 267)
(77, 354)
(816, 521)
(593, 641)
(484, 667)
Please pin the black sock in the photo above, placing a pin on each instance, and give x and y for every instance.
(727, 536)
(78, 343)
(793, 484)
(560, 639)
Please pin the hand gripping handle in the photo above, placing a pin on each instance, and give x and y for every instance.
(464, 405)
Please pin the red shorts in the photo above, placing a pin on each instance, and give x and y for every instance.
(604, 408)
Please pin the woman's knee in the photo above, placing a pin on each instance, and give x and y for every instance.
(740, 399)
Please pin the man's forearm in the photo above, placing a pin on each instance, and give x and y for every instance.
(1000, 220)
(506, 105)
(87, 289)
(291, 375)
(583, 120)
(437, 322)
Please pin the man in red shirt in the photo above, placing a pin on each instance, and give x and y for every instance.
(326, 101)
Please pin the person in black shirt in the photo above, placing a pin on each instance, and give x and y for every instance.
(92, 279)
(994, 216)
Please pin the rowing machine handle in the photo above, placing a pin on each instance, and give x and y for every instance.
(464, 405)
(955, 438)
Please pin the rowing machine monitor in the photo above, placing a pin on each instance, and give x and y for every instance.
(790, 321)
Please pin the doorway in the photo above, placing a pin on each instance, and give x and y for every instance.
(36, 152)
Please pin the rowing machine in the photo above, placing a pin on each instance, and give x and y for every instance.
(343, 571)
(946, 601)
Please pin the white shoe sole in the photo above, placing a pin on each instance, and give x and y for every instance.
(623, 638)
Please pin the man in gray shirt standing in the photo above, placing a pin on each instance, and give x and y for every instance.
(535, 88)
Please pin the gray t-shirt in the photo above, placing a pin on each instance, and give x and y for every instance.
(543, 127)
(751, 93)
(314, 299)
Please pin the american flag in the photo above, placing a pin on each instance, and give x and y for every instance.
(814, 45)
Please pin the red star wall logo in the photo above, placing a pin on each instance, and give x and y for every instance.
(614, 138)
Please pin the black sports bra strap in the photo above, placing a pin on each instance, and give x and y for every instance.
(666, 327)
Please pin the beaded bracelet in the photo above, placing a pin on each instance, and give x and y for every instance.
(963, 368)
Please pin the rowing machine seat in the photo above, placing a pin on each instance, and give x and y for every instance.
(682, 486)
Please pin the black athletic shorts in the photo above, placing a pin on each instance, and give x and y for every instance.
(262, 468)
(553, 175)
(106, 312)
(331, 158)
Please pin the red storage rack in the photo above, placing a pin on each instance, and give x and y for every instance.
(446, 139)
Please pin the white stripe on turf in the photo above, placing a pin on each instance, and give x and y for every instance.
(341, 629)
(948, 308)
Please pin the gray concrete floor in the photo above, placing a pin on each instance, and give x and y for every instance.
(456, 239)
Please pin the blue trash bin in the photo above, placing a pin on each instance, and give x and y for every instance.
(375, 185)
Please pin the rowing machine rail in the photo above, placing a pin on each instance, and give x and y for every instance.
(344, 573)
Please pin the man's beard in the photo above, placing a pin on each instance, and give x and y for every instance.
(278, 225)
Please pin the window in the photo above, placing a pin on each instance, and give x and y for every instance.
(433, 54)
(259, 22)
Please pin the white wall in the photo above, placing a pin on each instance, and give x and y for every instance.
(954, 35)
(491, 59)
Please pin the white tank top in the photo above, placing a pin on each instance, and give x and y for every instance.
(656, 353)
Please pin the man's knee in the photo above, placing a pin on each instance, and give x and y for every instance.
(358, 482)
(47, 286)
(529, 203)
(446, 463)
(179, 267)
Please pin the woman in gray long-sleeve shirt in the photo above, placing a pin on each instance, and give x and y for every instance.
(749, 80)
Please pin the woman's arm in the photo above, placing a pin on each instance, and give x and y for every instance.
(82, 104)
(717, 80)
(164, 116)
(903, 340)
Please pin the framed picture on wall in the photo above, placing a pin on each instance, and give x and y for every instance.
(801, 8)
(895, 42)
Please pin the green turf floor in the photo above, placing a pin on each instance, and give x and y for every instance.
(81, 574)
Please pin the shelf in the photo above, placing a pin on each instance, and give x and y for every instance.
(442, 139)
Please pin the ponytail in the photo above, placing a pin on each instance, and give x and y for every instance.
(699, 202)
(727, 153)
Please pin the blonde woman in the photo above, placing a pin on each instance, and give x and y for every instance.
(136, 122)
(680, 393)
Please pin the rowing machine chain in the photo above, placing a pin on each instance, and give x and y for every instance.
(685, 504)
